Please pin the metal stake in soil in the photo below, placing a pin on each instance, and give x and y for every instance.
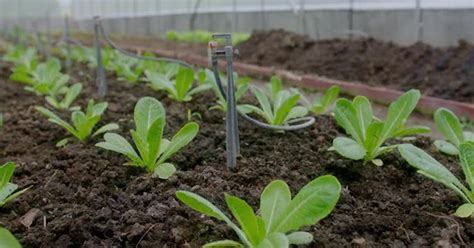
(232, 137)
(101, 82)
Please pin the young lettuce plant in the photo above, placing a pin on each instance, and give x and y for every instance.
(431, 168)
(280, 216)
(280, 108)
(82, 123)
(7, 240)
(207, 77)
(451, 128)
(181, 88)
(153, 149)
(322, 102)
(368, 134)
(46, 79)
(70, 95)
(8, 190)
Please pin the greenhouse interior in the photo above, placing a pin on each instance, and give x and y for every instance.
(225, 123)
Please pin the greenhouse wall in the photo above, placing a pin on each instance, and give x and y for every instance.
(437, 22)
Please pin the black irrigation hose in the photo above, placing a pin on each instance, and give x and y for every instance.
(307, 121)
(125, 52)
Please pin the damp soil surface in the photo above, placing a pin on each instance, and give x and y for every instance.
(82, 196)
(441, 72)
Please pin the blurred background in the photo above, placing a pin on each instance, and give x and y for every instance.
(435, 22)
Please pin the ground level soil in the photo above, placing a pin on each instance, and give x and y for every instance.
(441, 72)
(85, 197)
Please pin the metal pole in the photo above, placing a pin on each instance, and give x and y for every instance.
(303, 18)
(351, 18)
(101, 82)
(419, 26)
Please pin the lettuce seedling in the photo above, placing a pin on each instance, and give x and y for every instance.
(207, 77)
(279, 108)
(7, 240)
(450, 126)
(153, 149)
(82, 123)
(70, 95)
(8, 190)
(280, 216)
(322, 102)
(25, 59)
(46, 79)
(368, 134)
(431, 168)
(181, 88)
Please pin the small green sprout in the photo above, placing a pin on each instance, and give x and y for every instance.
(181, 88)
(207, 77)
(70, 95)
(280, 108)
(8, 190)
(46, 79)
(82, 123)
(431, 168)
(280, 216)
(153, 149)
(368, 134)
(322, 102)
(450, 126)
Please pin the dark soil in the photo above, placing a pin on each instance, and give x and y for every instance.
(441, 72)
(85, 197)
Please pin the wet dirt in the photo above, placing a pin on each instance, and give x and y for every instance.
(441, 72)
(86, 197)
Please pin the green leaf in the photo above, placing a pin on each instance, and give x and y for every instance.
(275, 240)
(346, 117)
(431, 168)
(276, 86)
(349, 148)
(273, 202)
(106, 128)
(364, 113)
(253, 226)
(62, 142)
(284, 109)
(300, 238)
(7, 240)
(409, 131)
(119, 144)
(264, 103)
(449, 125)
(56, 119)
(147, 110)
(320, 105)
(203, 206)
(154, 140)
(71, 95)
(372, 138)
(446, 147)
(466, 155)
(184, 82)
(465, 210)
(314, 202)
(6, 172)
(6, 191)
(185, 135)
(14, 195)
(398, 113)
(165, 170)
(223, 244)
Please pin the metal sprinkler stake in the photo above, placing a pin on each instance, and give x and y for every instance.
(232, 127)
(101, 82)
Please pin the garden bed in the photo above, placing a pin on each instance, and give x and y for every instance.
(440, 72)
(87, 198)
